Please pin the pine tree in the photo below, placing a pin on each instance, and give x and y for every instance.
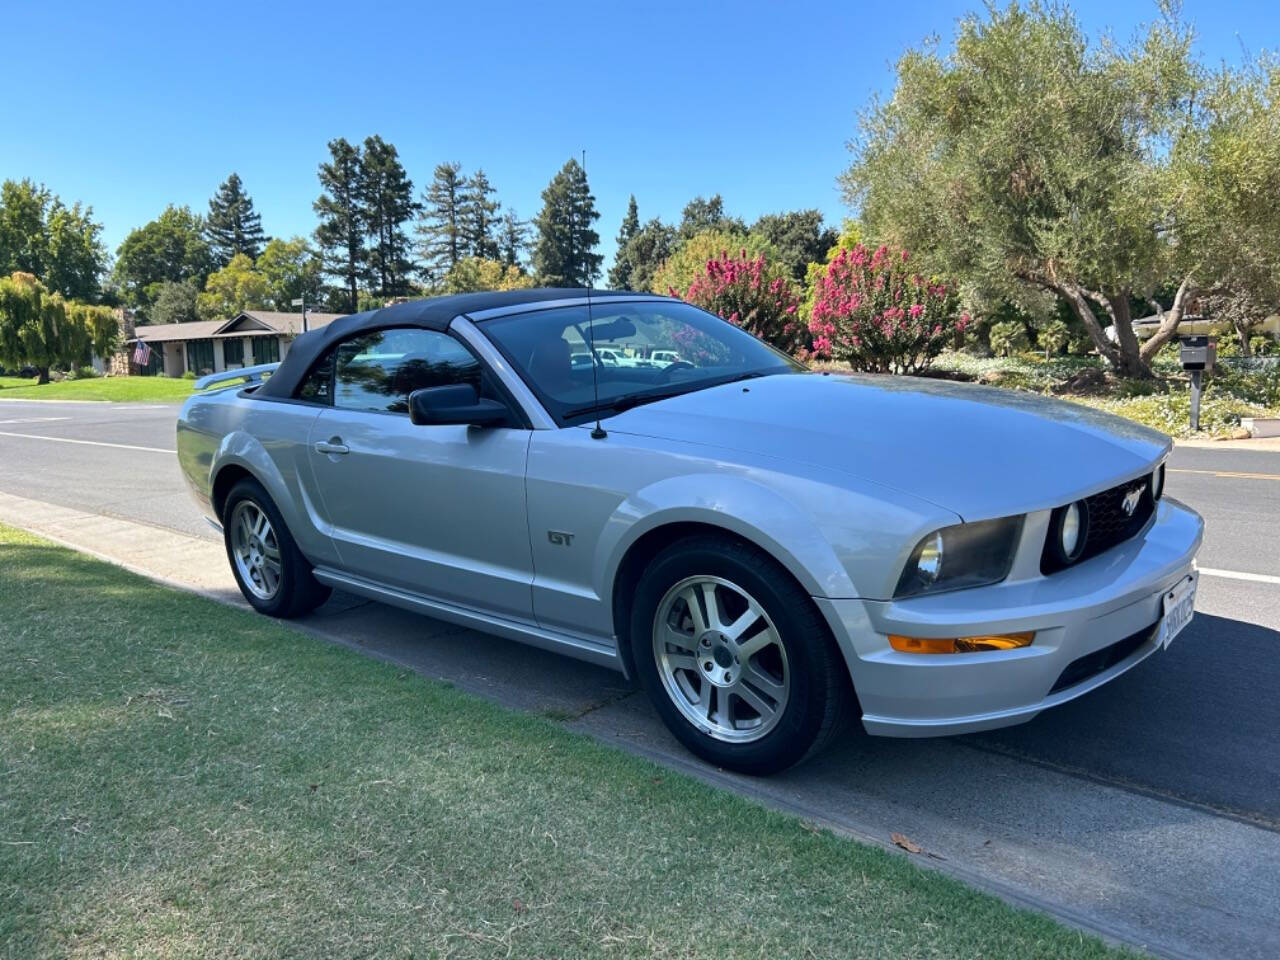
(480, 217)
(232, 225)
(513, 239)
(620, 272)
(341, 232)
(387, 204)
(565, 252)
(442, 224)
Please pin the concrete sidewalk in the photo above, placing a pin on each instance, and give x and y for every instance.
(172, 558)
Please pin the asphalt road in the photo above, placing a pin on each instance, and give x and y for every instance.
(1149, 809)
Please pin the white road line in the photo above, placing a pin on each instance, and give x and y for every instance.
(87, 443)
(35, 420)
(1239, 575)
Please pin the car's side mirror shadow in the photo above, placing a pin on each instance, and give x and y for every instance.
(456, 404)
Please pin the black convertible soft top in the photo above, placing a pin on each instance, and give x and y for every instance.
(433, 313)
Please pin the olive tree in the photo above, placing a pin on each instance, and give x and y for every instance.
(1027, 160)
(1226, 179)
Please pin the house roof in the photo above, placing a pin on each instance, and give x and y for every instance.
(250, 323)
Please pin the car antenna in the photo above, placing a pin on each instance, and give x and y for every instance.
(598, 432)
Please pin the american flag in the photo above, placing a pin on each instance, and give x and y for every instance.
(142, 354)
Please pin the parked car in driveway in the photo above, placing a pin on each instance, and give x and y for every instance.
(769, 551)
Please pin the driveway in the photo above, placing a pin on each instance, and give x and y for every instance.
(1148, 810)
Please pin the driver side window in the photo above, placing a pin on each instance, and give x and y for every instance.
(377, 371)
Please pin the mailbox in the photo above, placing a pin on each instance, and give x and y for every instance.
(1199, 353)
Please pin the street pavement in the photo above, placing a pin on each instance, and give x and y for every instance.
(1148, 810)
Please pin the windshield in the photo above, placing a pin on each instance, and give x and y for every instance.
(643, 351)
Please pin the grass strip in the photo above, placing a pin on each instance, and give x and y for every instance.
(119, 389)
(183, 779)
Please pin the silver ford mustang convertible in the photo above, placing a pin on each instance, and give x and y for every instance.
(770, 552)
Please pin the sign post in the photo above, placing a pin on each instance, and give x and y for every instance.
(301, 302)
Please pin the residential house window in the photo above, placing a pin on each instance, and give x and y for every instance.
(233, 352)
(266, 350)
(200, 356)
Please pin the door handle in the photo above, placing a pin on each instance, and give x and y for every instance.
(333, 445)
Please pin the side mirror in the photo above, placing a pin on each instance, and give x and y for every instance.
(456, 404)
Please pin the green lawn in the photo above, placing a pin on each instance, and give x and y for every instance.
(122, 389)
(179, 778)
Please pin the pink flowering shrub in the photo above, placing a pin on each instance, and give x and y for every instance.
(747, 292)
(872, 311)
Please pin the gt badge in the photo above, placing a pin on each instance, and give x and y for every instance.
(560, 538)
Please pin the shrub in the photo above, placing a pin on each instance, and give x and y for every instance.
(1008, 338)
(189, 375)
(1054, 335)
(753, 294)
(873, 312)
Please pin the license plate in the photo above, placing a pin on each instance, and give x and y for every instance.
(1179, 605)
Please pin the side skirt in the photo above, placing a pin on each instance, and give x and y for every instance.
(601, 654)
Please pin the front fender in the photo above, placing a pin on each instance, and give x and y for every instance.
(752, 511)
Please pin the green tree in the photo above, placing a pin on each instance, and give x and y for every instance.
(700, 215)
(234, 288)
(442, 225)
(170, 247)
(60, 245)
(98, 325)
(1028, 160)
(564, 255)
(1226, 174)
(480, 218)
(233, 226)
(386, 194)
(798, 238)
(76, 259)
(620, 272)
(175, 303)
(34, 327)
(689, 260)
(646, 252)
(513, 239)
(23, 243)
(292, 271)
(340, 234)
(476, 273)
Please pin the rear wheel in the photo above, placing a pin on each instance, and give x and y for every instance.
(271, 572)
(734, 655)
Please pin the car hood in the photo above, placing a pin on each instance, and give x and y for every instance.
(978, 451)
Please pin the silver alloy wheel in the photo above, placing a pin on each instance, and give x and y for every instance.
(256, 549)
(721, 659)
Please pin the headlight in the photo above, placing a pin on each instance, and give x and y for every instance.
(966, 555)
(1157, 482)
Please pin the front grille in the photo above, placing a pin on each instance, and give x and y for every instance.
(1108, 523)
(1091, 664)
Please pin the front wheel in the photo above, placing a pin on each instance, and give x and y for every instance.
(736, 658)
(269, 568)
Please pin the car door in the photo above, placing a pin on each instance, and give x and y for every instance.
(437, 510)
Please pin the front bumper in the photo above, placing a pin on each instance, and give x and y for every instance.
(1111, 598)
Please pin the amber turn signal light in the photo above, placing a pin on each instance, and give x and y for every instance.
(1001, 641)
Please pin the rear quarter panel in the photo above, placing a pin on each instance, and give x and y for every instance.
(230, 429)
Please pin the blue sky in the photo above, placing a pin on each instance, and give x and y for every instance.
(131, 110)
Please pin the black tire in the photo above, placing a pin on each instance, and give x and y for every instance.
(298, 591)
(821, 702)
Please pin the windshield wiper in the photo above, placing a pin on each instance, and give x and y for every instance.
(629, 400)
(624, 402)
